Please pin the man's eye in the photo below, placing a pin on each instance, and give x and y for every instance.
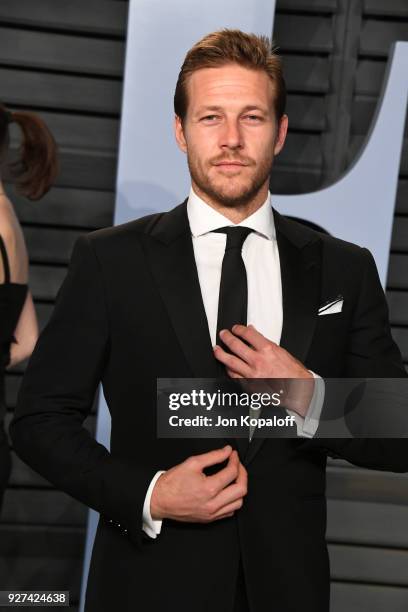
(210, 117)
(254, 117)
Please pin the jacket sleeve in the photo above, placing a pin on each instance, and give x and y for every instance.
(372, 353)
(57, 394)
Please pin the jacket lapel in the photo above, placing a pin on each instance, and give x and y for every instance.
(300, 263)
(169, 250)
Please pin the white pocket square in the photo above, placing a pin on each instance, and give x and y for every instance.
(331, 306)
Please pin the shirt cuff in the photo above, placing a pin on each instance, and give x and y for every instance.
(307, 426)
(150, 526)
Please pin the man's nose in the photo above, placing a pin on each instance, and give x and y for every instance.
(231, 136)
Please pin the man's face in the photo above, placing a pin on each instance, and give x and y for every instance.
(230, 133)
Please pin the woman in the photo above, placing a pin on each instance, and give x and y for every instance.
(34, 172)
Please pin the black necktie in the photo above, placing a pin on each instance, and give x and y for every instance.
(233, 296)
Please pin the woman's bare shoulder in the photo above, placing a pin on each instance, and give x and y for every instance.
(13, 239)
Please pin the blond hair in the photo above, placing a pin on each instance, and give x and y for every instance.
(231, 46)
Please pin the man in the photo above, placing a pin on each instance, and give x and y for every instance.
(240, 531)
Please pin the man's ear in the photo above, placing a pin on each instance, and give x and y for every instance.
(179, 134)
(281, 135)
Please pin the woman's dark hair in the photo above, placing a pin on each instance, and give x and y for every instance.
(37, 166)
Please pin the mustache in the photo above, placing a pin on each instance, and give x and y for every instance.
(232, 160)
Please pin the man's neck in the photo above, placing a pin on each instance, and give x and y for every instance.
(237, 213)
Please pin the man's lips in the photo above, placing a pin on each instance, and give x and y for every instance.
(230, 163)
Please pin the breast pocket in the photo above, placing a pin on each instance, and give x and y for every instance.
(330, 339)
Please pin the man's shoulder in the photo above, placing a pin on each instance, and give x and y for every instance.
(113, 246)
(122, 231)
(160, 225)
(331, 245)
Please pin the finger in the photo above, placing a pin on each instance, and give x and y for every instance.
(233, 363)
(217, 482)
(237, 347)
(212, 457)
(242, 478)
(227, 496)
(233, 374)
(251, 335)
(232, 506)
(234, 491)
(222, 516)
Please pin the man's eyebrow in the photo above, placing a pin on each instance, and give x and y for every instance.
(248, 107)
(202, 109)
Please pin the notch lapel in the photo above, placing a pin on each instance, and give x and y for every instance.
(301, 287)
(171, 257)
(300, 264)
(169, 250)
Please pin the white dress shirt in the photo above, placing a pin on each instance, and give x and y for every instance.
(261, 258)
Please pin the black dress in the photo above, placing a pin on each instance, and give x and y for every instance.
(12, 298)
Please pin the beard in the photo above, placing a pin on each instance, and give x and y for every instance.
(230, 191)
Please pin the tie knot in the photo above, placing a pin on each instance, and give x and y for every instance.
(236, 236)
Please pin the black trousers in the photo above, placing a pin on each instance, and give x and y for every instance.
(241, 601)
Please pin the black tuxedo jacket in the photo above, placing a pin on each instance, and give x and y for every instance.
(129, 311)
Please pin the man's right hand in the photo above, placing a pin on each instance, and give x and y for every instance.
(185, 493)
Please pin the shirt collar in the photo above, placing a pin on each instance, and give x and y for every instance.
(203, 218)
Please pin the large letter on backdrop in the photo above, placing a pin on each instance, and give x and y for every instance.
(359, 207)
